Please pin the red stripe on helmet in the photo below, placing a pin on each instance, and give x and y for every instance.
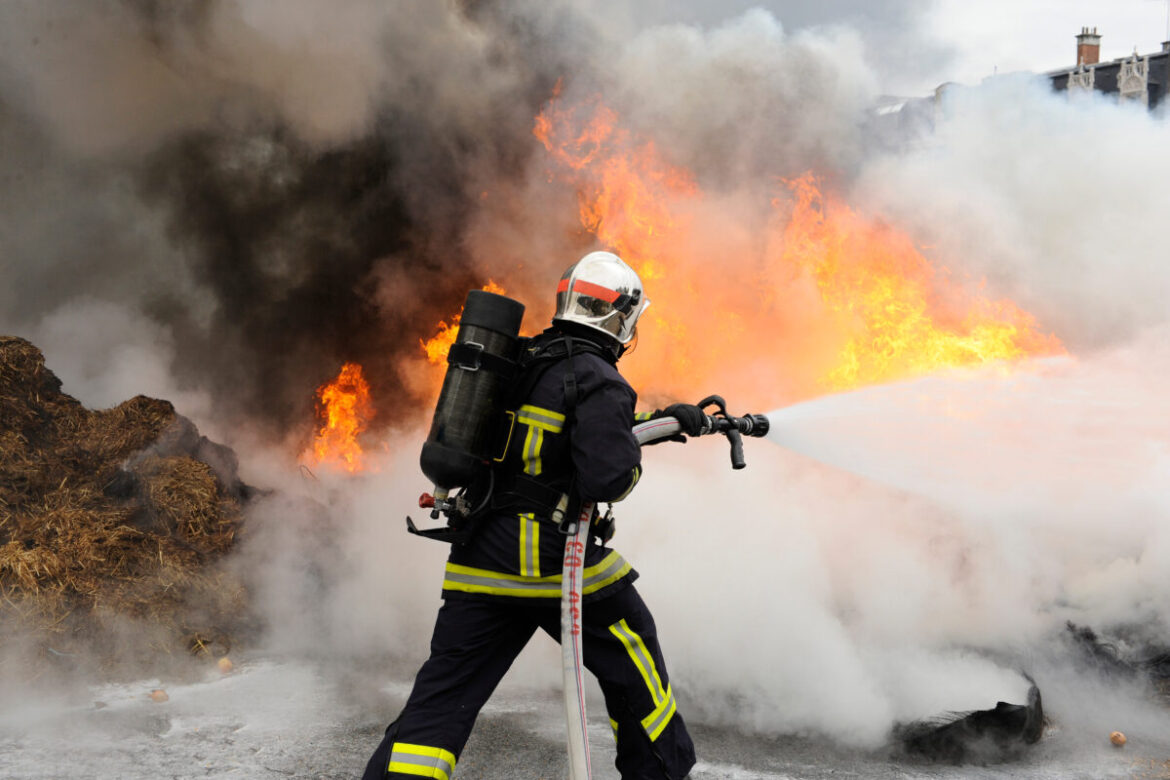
(582, 287)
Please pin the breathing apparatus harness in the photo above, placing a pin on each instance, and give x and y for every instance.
(487, 492)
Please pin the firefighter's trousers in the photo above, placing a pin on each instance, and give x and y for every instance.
(474, 644)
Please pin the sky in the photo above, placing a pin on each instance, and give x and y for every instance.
(929, 42)
(1038, 35)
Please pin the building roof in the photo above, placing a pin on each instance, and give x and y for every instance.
(1105, 75)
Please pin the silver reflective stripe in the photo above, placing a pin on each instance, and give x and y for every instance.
(529, 545)
(470, 580)
(657, 720)
(421, 761)
(597, 579)
(642, 658)
(664, 705)
(534, 415)
(533, 444)
(538, 421)
(506, 587)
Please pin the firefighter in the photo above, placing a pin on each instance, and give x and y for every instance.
(572, 435)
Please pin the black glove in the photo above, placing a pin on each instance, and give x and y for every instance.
(691, 419)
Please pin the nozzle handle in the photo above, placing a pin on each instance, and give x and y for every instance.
(737, 461)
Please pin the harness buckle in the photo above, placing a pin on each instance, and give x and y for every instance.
(467, 355)
(603, 526)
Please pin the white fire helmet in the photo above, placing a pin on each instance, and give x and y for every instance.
(601, 292)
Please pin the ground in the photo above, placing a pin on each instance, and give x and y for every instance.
(275, 718)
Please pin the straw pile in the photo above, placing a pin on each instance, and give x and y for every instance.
(111, 523)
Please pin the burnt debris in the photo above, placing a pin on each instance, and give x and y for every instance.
(983, 736)
(1131, 656)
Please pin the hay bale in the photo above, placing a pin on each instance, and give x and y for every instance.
(30, 394)
(109, 515)
(185, 498)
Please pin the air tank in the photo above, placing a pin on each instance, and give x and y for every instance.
(480, 367)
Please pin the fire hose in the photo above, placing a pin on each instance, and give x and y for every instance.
(573, 566)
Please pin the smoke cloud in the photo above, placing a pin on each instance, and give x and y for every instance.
(1051, 200)
(220, 202)
(279, 188)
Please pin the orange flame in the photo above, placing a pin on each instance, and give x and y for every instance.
(638, 205)
(903, 319)
(626, 193)
(437, 346)
(345, 410)
(739, 280)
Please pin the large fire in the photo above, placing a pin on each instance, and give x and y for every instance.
(766, 300)
(344, 410)
(731, 282)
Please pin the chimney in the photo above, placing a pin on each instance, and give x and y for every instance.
(1165, 46)
(1088, 47)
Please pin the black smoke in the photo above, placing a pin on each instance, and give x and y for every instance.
(267, 249)
(288, 241)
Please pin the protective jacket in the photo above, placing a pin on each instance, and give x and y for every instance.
(582, 447)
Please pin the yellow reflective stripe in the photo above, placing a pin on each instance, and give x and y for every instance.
(664, 704)
(529, 545)
(421, 761)
(468, 579)
(634, 481)
(608, 575)
(656, 721)
(642, 416)
(641, 658)
(524, 544)
(538, 421)
(613, 725)
(537, 464)
(531, 452)
(545, 419)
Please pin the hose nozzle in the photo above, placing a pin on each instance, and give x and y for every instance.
(754, 425)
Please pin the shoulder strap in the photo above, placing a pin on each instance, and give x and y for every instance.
(531, 370)
(540, 354)
(570, 381)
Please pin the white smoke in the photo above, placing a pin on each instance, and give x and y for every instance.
(104, 354)
(1053, 200)
(757, 101)
(957, 523)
